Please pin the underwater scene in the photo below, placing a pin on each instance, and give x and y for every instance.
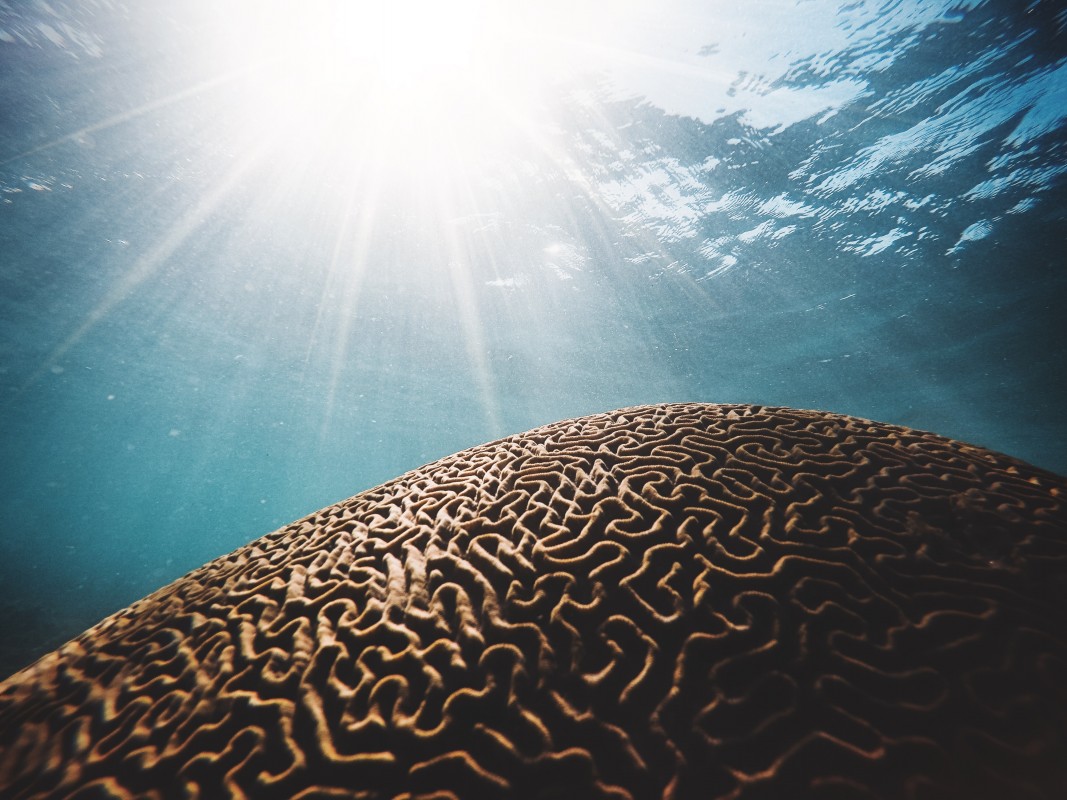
(256, 257)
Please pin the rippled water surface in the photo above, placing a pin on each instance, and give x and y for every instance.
(253, 261)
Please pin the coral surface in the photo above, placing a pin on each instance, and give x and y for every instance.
(676, 601)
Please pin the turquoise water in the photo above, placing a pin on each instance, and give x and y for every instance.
(251, 263)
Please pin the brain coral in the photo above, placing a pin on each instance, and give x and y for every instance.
(671, 601)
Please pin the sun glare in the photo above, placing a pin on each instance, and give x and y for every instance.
(363, 112)
(405, 40)
(333, 43)
(367, 117)
(368, 74)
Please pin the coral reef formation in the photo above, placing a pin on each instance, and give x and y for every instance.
(673, 601)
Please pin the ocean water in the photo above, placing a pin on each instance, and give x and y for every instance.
(256, 258)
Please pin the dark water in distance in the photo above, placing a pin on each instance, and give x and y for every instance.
(234, 289)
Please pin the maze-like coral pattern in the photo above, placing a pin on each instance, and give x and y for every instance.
(676, 601)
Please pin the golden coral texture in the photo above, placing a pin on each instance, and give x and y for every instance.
(672, 601)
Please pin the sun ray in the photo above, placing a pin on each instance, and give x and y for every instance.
(150, 263)
(348, 264)
(115, 120)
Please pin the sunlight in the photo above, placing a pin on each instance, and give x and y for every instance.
(408, 87)
(410, 41)
(332, 44)
(372, 79)
(373, 116)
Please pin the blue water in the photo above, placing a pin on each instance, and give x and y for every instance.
(234, 289)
